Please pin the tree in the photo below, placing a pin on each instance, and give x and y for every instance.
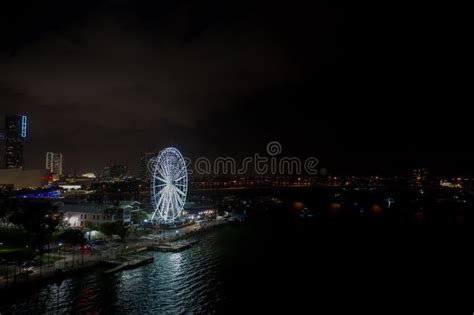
(73, 238)
(7, 206)
(3, 206)
(122, 231)
(107, 228)
(139, 216)
(89, 225)
(39, 218)
(115, 228)
(114, 212)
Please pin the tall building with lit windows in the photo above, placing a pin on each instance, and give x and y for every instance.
(54, 163)
(2, 148)
(15, 133)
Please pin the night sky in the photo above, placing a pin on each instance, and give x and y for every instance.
(364, 89)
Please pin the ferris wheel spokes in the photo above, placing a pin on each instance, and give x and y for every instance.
(169, 185)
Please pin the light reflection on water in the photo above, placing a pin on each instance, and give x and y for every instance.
(174, 283)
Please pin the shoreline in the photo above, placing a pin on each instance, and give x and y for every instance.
(99, 261)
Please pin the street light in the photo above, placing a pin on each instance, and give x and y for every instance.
(59, 254)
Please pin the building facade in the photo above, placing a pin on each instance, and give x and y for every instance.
(54, 163)
(81, 215)
(18, 178)
(15, 133)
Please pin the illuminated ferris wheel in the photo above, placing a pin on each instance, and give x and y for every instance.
(169, 185)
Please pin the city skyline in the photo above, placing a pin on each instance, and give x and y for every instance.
(272, 164)
(139, 165)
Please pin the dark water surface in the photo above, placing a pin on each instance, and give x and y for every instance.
(200, 279)
(273, 263)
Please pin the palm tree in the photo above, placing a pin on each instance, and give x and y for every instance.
(73, 238)
(38, 218)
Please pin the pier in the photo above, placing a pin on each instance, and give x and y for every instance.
(134, 262)
(171, 247)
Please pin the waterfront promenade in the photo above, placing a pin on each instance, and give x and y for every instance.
(64, 265)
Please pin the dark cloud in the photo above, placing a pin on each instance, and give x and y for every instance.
(104, 81)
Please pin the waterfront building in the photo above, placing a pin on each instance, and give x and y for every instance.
(82, 214)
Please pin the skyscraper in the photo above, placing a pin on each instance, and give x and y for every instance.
(54, 163)
(2, 148)
(15, 132)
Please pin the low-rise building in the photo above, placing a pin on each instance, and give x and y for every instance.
(18, 178)
(80, 215)
(77, 215)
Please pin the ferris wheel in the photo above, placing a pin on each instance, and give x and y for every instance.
(169, 185)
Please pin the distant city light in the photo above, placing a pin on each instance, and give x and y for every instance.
(444, 183)
(70, 187)
(23, 126)
(41, 194)
(89, 175)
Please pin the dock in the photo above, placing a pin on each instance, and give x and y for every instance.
(171, 247)
(128, 264)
